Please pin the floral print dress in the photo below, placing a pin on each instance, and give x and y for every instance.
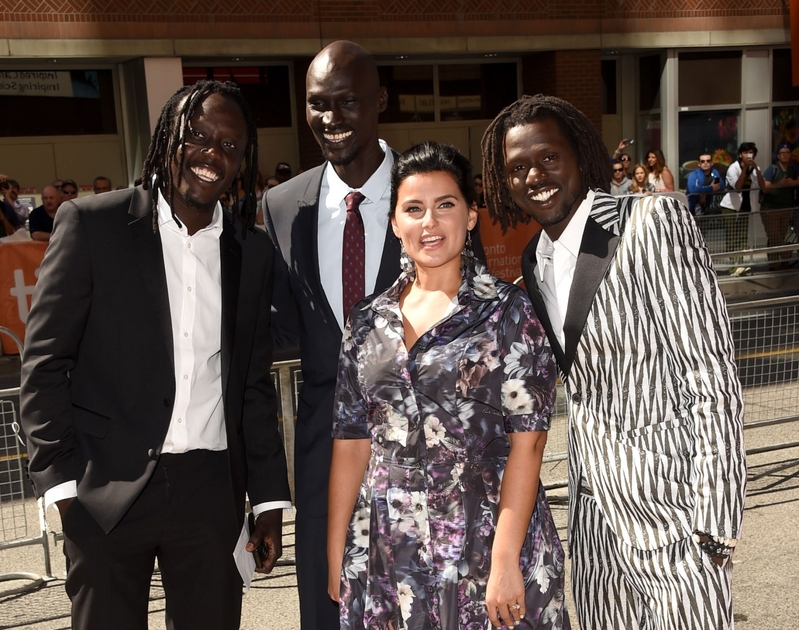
(418, 548)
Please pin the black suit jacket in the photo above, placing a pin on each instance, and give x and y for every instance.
(98, 379)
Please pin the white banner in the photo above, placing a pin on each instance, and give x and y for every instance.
(35, 83)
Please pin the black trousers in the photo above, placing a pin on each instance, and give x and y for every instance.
(317, 610)
(185, 517)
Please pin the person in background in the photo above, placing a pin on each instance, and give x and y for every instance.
(41, 219)
(659, 174)
(626, 290)
(743, 175)
(478, 186)
(13, 218)
(447, 377)
(69, 190)
(639, 184)
(101, 185)
(778, 196)
(620, 184)
(703, 184)
(271, 182)
(283, 172)
(620, 154)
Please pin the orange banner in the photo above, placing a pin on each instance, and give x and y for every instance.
(19, 268)
(795, 41)
(504, 252)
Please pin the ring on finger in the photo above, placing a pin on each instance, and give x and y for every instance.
(516, 607)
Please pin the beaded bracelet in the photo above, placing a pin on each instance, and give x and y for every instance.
(716, 547)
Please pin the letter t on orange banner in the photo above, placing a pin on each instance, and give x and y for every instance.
(795, 41)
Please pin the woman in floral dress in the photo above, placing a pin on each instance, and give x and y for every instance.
(446, 384)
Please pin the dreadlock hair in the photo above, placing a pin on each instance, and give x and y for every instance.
(588, 147)
(169, 140)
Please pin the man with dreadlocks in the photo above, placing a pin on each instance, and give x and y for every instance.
(626, 291)
(146, 391)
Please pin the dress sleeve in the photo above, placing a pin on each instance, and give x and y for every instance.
(350, 408)
(528, 368)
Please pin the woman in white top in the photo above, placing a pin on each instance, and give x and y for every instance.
(659, 174)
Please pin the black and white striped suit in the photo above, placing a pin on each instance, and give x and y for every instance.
(655, 406)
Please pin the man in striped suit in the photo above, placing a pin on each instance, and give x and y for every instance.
(627, 293)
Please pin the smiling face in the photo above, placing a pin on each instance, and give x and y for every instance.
(215, 144)
(651, 159)
(431, 219)
(343, 100)
(543, 175)
(618, 172)
(640, 175)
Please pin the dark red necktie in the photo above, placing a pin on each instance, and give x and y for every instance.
(353, 259)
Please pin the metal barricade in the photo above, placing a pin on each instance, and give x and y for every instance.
(16, 511)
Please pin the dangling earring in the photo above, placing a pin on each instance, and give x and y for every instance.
(406, 264)
(467, 255)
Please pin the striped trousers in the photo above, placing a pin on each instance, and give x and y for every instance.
(676, 587)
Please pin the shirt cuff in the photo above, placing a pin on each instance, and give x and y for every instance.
(66, 490)
(259, 509)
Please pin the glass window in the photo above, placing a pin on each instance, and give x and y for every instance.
(782, 88)
(713, 132)
(785, 128)
(648, 135)
(475, 91)
(609, 89)
(57, 103)
(649, 71)
(710, 78)
(266, 89)
(410, 94)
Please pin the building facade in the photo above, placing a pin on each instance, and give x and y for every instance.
(82, 81)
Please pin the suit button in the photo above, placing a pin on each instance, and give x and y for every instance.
(152, 454)
(577, 399)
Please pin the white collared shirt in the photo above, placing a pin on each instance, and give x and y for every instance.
(194, 285)
(332, 217)
(565, 252)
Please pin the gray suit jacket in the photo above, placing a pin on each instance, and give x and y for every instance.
(654, 402)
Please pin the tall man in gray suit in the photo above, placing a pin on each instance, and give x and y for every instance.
(306, 218)
(627, 293)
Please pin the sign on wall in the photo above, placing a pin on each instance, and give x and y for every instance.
(19, 269)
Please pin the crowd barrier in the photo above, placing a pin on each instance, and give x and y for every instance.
(21, 524)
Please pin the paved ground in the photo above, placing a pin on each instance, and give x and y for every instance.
(766, 563)
(766, 567)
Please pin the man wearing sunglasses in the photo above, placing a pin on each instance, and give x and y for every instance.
(620, 184)
(703, 186)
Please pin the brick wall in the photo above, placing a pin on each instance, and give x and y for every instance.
(573, 75)
(191, 19)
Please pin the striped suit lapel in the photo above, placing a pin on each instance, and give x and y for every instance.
(596, 253)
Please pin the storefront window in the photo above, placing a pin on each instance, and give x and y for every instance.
(785, 128)
(713, 132)
(410, 94)
(710, 78)
(782, 88)
(472, 91)
(57, 103)
(266, 89)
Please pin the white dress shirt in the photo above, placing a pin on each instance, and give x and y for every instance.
(194, 286)
(564, 261)
(332, 217)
